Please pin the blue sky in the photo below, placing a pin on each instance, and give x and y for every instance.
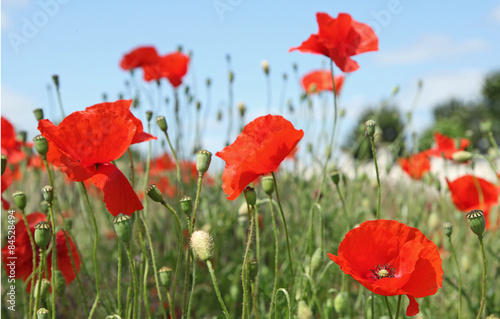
(449, 46)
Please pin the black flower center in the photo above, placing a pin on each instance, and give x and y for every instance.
(383, 271)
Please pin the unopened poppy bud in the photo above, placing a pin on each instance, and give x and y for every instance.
(55, 79)
(395, 90)
(335, 176)
(242, 108)
(155, 194)
(42, 234)
(316, 259)
(202, 245)
(265, 66)
(477, 222)
(340, 301)
(123, 227)
(149, 115)
(370, 128)
(162, 123)
(303, 311)
(20, 200)
(342, 113)
(42, 313)
(448, 229)
(231, 76)
(186, 205)
(59, 283)
(22, 135)
(462, 156)
(208, 82)
(165, 274)
(492, 316)
(253, 269)
(268, 184)
(38, 114)
(485, 127)
(433, 221)
(44, 288)
(4, 163)
(48, 194)
(41, 145)
(115, 316)
(250, 195)
(285, 76)
(203, 159)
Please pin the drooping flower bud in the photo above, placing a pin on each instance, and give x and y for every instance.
(162, 123)
(268, 184)
(114, 316)
(265, 66)
(485, 127)
(250, 195)
(48, 194)
(59, 283)
(165, 274)
(55, 79)
(149, 115)
(316, 259)
(303, 311)
(20, 200)
(22, 136)
(44, 288)
(38, 114)
(448, 229)
(41, 145)
(42, 234)
(42, 313)
(186, 205)
(370, 128)
(4, 163)
(203, 159)
(202, 245)
(477, 222)
(340, 301)
(123, 227)
(462, 156)
(335, 176)
(155, 194)
(254, 268)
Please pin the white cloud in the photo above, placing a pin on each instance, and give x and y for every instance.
(430, 48)
(19, 111)
(495, 14)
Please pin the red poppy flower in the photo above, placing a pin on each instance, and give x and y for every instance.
(339, 39)
(24, 257)
(7, 179)
(259, 149)
(390, 258)
(318, 81)
(139, 57)
(415, 165)
(171, 66)
(466, 197)
(11, 147)
(85, 143)
(447, 146)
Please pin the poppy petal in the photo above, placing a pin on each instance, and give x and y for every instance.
(64, 263)
(412, 308)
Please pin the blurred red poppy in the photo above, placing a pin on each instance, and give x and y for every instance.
(7, 179)
(446, 146)
(339, 39)
(139, 57)
(390, 258)
(416, 165)
(85, 143)
(466, 196)
(11, 147)
(24, 257)
(259, 149)
(318, 81)
(171, 66)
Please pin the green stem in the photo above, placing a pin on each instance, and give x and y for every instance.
(119, 279)
(145, 278)
(193, 284)
(398, 308)
(372, 141)
(39, 284)
(493, 143)
(288, 303)
(483, 291)
(276, 252)
(216, 287)
(178, 167)
(132, 177)
(459, 278)
(49, 172)
(33, 254)
(244, 280)
(134, 278)
(372, 304)
(54, 261)
(59, 101)
(76, 271)
(388, 306)
(344, 208)
(196, 203)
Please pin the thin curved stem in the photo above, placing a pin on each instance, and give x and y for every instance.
(287, 296)
(119, 279)
(177, 166)
(196, 203)
(33, 254)
(134, 278)
(132, 177)
(483, 291)
(459, 278)
(372, 141)
(39, 284)
(216, 287)
(388, 306)
(78, 280)
(398, 309)
(244, 279)
(54, 261)
(276, 252)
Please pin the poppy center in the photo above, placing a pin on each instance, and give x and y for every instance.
(383, 271)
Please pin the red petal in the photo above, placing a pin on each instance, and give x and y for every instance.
(119, 195)
(312, 45)
(322, 80)
(11, 147)
(139, 57)
(64, 263)
(174, 66)
(412, 308)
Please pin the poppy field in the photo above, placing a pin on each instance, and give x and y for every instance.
(118, 211)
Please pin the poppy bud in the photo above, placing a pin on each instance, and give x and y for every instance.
(115, 316)
(42, 313)
(22, 135)
(162, 123)
(231, 76)
(42, 234)
(55, 79)
(462, 156)
(433, 221)
(448, 229)
(477, 222)
(395, 90)
(340, 301)
(198, 105)
(203, 159)
(59, 283)
(265, 66)
(285, 76)
(4, 163)
(186, 205)
(370, 128)
(41, 145)
(316, 259)
(492, 316)
(254, 268)
(44, 289)
(48, 194)
(38, 114)
(149, 115)
(208, 82)
(250, 195)
(303, 311)
(342, 113)
(44, 206)
(268, 184)
(123, 227)
(485, 127)
(242, 108)
(155, 194)
(165, 274)
(202, 245)
(335, 176)
(20, 200)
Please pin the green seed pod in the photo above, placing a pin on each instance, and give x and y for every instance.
(123, 227)
(59, 283)
(20, 200)
(202, 245)
(149, 115)
(370, 128)
(186, 205)
(22, 136)
(477, 222)
(41, 145)
(316, 259)
(231, 77)
(268, 184)
(250, 195)
(208, 82)
(4, 163)
(340, 301)
(42, 313)
(303, 311)
(165, 274)
(242, 108)
(448, 229)
(48, 194)
(44, 289)
(38, 114)
(162, 123)
(335, 176)
(462, 156)
(254, 268)
(155, 194)
(203, 159)
(42, 234)
(55, 79)
(265, 66)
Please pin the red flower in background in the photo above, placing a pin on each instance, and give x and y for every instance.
(339, 39)
(318, 81)
(11, 147)
(446, 146)
(171, 66)
(24, 257)
(416, 165)
(466, 196)
(390, 258)
(259, 149)
(7, 179)
(85, 143)
(139, 57)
